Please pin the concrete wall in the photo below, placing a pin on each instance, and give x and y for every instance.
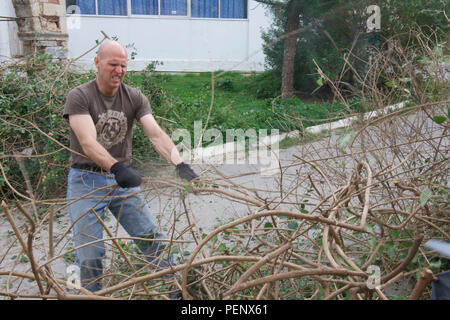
(182, 44)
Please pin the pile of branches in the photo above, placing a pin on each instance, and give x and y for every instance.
(343, 217)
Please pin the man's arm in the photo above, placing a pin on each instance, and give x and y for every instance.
(84, 128)
(161, 141)
(165, 147)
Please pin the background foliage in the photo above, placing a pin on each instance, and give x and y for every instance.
(33, 93)
(331, 29)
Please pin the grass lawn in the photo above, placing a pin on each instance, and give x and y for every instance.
(240, 101)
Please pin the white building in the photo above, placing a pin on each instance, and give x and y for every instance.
(10, 45)
(185, 35)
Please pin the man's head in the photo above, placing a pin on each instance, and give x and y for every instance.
(111, 63)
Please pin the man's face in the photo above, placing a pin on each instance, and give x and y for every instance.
(111, 65)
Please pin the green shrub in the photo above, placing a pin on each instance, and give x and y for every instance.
(266, 85)
(32, 96)
(332, 29)
(226, 84)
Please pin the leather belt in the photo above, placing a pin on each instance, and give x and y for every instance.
(88, 167)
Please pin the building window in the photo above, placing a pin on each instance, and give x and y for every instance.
(205, 8)
(100, 7)
(174, 7)
(226, 9)
(235, 9)
(148, 7)
(151, 7)
(112, 7)
(84, 6)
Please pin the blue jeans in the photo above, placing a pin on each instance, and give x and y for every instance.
(127, 205)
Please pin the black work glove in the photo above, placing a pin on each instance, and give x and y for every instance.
(126, 177)
(185, 172)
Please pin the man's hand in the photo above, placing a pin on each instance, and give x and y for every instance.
(126, 177)
(185, 172)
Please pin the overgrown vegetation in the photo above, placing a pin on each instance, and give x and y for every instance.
(334, 32)
(369, 199)
(33, 93)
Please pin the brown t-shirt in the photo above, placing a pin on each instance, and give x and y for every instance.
(113, 118)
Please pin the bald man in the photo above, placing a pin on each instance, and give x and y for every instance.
(101, 115)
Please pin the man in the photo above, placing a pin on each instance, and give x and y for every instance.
(101, 115)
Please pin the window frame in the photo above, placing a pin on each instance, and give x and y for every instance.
(159, 15)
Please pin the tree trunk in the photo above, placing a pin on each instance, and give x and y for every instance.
(290, 48)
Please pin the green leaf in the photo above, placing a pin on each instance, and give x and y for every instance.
(222, 247)
(439, 119)
(369, 228)
(425, 196)
(391, 252)
(406, 244)
(24, 259)
(293, 225)
(319, 241)
(416, 257)
(346, 139)
(268, 225)
(372, 241)
(436, 264)
(438, 50)
(320, 81)
(395, 233)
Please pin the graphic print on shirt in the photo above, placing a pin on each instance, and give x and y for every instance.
(111, 128)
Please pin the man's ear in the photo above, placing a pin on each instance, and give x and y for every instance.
(96, 61)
